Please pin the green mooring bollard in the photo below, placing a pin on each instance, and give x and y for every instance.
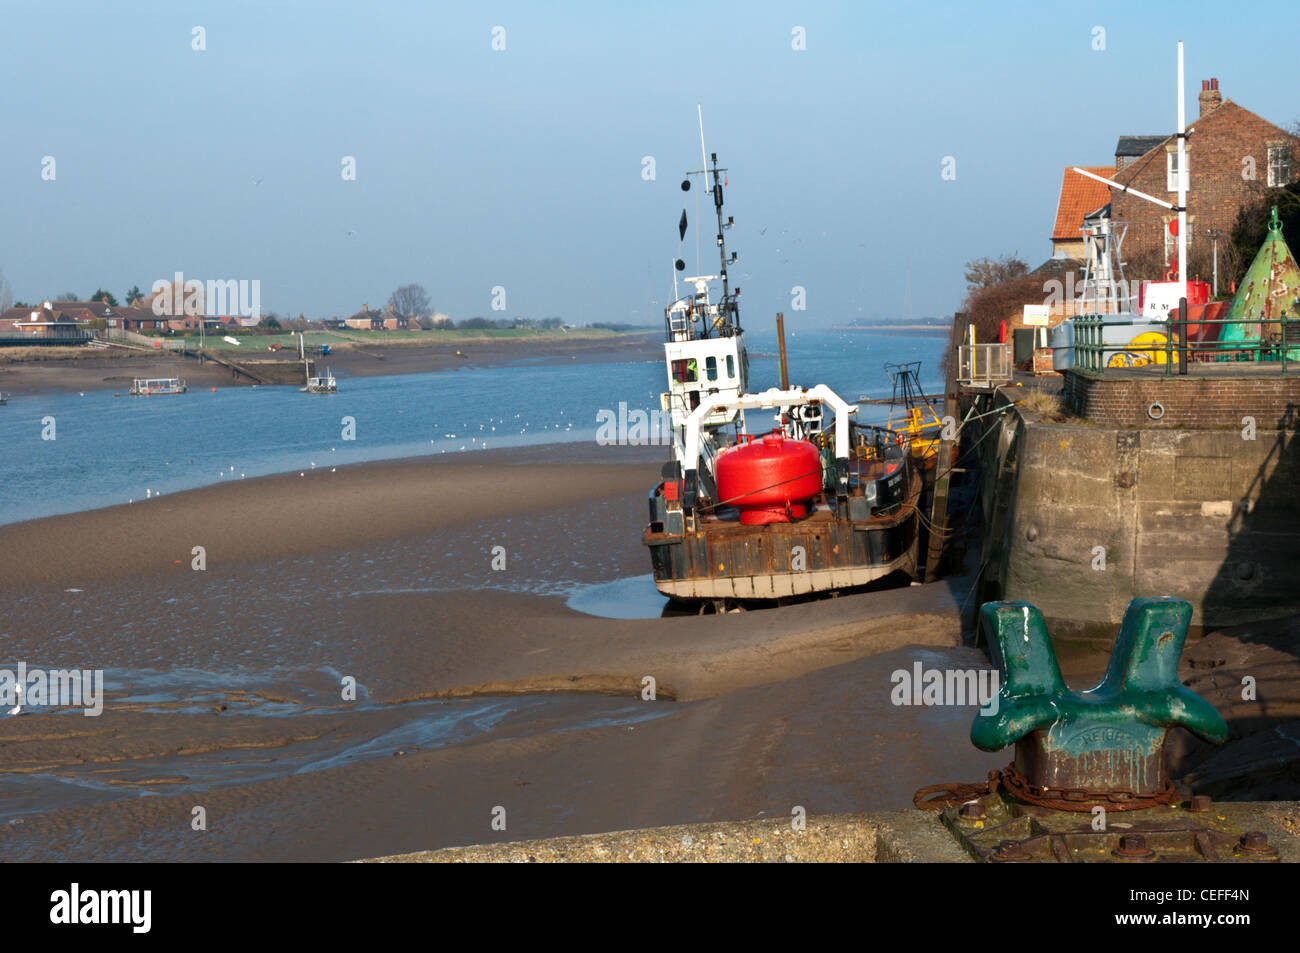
(1107, 743)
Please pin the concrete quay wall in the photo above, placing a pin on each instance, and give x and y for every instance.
(881, 837)
(1079, 519)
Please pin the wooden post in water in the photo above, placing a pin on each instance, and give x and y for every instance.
(780, 343)
(942, 472)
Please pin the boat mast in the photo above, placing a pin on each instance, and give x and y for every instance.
(728, 311)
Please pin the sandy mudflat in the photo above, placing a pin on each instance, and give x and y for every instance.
(494, 692)
(95, 370)
(477, 687)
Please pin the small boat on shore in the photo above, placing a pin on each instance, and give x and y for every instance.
(322, 384)
(146, 387)
(813, 504)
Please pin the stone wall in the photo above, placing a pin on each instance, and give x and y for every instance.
(1080, 519)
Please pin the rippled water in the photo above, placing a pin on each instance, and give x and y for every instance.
(108, 450)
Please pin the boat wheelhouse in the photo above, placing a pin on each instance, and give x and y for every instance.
(322, 384)
(145, 387)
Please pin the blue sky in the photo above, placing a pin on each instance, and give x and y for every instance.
(523, 168)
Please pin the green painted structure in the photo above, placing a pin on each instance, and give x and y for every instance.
(1269, 289)
(1110, 738)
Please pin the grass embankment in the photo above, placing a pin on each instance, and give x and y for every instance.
(337, 340)
(345, 339)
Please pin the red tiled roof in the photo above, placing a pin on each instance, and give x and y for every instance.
(1079, 196)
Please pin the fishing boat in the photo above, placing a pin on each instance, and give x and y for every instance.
(812, 503)
(322, 384)
(316, 383)
(146, 387)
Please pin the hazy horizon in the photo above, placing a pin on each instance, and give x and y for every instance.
(522, 168)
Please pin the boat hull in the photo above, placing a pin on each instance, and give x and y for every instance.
(729, 560)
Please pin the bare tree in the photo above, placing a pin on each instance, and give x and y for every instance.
(986, 272)
(68, 296)
(6, 292)
(410, 300)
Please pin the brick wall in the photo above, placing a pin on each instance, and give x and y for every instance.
(1191, 402)
(1217, 189)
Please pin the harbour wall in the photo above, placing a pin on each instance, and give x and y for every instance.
(875, 838)
(1079, 518)
(1267, 403)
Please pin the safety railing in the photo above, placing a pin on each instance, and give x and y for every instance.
(1272, 343)
(32, 339)
(984, 365)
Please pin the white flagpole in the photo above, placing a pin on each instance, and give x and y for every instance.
(1182, 178)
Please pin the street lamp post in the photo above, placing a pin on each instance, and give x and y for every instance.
(1214, 234)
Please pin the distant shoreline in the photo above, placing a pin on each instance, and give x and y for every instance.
(83, 369)
(938, 330)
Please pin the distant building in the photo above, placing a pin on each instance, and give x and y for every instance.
(130, 318)
(386, 320)
(49, 321)
(82, 311)
(1234, 157)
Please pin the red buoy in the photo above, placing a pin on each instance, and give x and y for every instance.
(769, 480)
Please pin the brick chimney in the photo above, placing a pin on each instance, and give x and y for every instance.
(1210, 96)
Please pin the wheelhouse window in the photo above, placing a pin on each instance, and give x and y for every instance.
(711, 368)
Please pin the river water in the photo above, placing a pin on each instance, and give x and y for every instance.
(108, 450)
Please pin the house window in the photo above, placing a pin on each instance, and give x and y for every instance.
(1279, 165)
(1171, 169)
